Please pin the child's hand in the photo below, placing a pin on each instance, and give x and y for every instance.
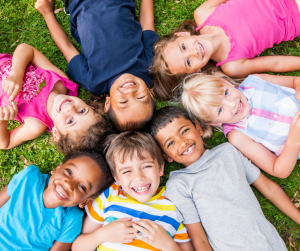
(294, 132)
(44, 6)
(12, 86)
(157, 236)
(120, 231)
(8, 112)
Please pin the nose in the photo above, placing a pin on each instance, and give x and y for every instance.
(193, 51)
(68, 185)
(230, 104)
(139, 175)
(182, 143)
(70, 107)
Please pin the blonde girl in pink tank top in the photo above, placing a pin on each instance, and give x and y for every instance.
(231, 33)
(40, 96)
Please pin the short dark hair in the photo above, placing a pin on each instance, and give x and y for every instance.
(165, 116)
(132, 125)
(127, 144)
(106, 178)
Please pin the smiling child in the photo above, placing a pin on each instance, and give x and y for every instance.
(133, 213)
(41, 211)
(212, 193)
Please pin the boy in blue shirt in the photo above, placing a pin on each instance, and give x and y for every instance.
(40, 213)
(116, 54)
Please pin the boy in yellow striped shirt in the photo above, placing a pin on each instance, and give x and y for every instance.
(133, 213)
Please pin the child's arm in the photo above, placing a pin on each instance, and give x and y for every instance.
(277, 196)
(205, 9)
(45, 8)
(281, 166)
(147, 15)
(157, 236)
(4, 197)
(60, 246)
(198, 237)
(93, 234)
(243, 67)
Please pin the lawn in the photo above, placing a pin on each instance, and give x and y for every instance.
(20, 22)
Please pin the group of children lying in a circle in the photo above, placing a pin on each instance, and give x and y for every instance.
(209, 204)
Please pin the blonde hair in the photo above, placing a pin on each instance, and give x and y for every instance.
(201, 90)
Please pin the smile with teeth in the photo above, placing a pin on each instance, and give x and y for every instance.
(64, 104)
(129, 84)
(141, 189)
(60, 191)
(202, 49)
(240, 108)
(187, 151)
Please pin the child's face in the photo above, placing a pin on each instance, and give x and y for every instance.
(130, 99)
(71, 114)
(187, 54)
(72, 183)
(234, 106)
(139, 178)
(181, 141)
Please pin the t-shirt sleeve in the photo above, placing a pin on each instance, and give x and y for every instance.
(252, 171)
(72, 225)
(176, 192)
(95, 209)
(181, 234)
(19, 177)
(149, 37)
(78, 69)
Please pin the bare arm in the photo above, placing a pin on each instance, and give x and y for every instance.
(45, 7)
(186, 246)
(281, 166)
(205, 9)
(243, 67)
(60, 246)
(147, 15)
(198, 237)
(4, 197)
(277, 196)
(93, 234)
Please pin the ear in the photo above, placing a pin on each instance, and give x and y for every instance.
(199, 129)
(215, 124)
(84, 203)
(56, 168)
(107, 105)
(56, 134)
(198, 71)
(117, 180)
(183, 34)
(167, 158)
(161, 170)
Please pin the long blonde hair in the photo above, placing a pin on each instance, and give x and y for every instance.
(201, 90)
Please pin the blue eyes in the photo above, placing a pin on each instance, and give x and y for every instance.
(220, 110)
(226, 92)
(183, 47)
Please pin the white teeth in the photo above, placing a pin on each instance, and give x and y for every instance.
(202, 49)
(60, 193)
(64, 103)
(188, 150)
(239, 108)
(128, 84)
(141, 189)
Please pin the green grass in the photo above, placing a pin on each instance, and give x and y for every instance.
(20, 22)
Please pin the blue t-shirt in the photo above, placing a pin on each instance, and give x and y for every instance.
(112, 43)
(26, 224)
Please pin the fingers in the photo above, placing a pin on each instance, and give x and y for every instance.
(143, 228)
(8, 112)
(125, 219)
(296, 117)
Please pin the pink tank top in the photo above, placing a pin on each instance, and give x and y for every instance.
(37, 85)
(255, 25)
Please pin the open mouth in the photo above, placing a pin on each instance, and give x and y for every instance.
(64, 103)
(202, 50)
(128, 84)
(141, 189)
(240, 108)
(189, 150)
(60, 193)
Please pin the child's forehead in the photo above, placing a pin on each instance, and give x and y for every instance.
(175, 124)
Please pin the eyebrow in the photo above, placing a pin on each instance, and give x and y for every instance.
(177, 131)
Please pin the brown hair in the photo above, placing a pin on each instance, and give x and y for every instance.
(129, 143)
(91, 140)
(164, 81)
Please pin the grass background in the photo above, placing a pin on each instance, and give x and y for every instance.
(20, 22)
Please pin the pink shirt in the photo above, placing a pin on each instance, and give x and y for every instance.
(255, 25)
(37, 85)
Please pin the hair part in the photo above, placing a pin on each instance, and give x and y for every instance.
(130, 144)
(106, 178)
(131, 125)
(91, 138)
